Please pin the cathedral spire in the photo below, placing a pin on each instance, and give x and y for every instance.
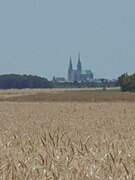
(70, 69)
(79, 65)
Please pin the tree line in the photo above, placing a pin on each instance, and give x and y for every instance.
(9, 81)
(16, 81)
(82, 84)
(127, 82)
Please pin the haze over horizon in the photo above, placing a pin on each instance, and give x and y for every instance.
(38, 37)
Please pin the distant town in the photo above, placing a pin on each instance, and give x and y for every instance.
(76, 78)
(80, 75)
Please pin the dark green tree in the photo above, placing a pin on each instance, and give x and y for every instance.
(17, 81)
(127, 82)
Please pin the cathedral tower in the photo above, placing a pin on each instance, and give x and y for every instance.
(70, 70)
(79, 65)
(79, 68)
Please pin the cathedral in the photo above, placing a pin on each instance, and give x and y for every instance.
(79, 74)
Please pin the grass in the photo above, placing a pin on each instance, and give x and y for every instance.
(73, 96)
(98, 90)
(108, 90)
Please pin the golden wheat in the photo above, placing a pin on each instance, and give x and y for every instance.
(64, 141)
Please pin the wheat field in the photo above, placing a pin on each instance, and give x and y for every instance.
(67, 140)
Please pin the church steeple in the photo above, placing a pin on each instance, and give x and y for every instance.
(79, 65)
(70, 69)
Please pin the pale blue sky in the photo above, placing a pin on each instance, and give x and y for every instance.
(38, 36)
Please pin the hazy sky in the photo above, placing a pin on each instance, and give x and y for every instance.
(39, 36)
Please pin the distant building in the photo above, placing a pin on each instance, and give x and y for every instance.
(59, 79)
(79, 74)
